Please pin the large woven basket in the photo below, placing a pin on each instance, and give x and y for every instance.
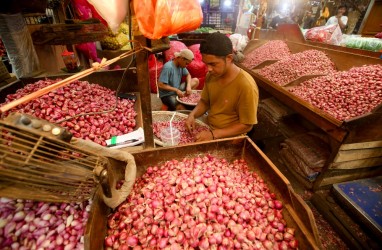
(165, 116)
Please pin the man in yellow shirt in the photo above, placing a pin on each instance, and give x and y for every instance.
(230, 94)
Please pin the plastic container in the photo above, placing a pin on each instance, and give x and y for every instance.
(170, 136)
(70, 60)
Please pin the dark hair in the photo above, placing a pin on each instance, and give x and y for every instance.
(342, 6)
(216, 44)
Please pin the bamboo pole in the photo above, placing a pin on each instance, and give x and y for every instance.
(95, 67)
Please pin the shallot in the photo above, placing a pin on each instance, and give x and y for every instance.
(78, 98)
(28, 224)
(185, 136)
(308, 62)
(345, 94)
(191, 99)
(272, 50)
(173, 207)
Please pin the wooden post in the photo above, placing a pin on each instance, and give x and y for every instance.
(143, 82)
(144, 90)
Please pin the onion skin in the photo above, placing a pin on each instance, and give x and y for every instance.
(30, 224)
(186, 212)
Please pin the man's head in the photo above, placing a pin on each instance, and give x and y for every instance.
(217, 53)
(341, 9)
(184, 57)
(308, 13)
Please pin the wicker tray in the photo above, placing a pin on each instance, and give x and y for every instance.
(187, 103)
(164, 116)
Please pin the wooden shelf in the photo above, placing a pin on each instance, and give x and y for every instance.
(355, 144)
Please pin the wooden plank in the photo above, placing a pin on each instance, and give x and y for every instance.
(365, 129)
(358, 154)
(320, 118)
(332, 177)
(361, 145)
(96, 226)
(305, 215)
(363, 163)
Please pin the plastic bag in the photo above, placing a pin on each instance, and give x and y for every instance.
(330, 34)
(113, 11)
(196, 50)
(158, 18)
(155, 68)
(175, 46)
(357, 42)
(19, 45)
(239, 42)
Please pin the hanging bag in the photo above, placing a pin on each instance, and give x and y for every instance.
(159, 18)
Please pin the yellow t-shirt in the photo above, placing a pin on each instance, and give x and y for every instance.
(233, 103)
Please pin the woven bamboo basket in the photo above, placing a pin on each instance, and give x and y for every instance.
(186, 103)
(165, 116)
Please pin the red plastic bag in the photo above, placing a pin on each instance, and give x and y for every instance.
(175, 46)
(196, 50)
(155, 68)
(197, 69)
(158, 18)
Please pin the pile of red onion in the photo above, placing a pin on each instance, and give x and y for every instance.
(344, 94)
(308, 62)
(200, 203)
(272, 50)
(77, 98)
(185, 136)
(28, 225)
(191, 99)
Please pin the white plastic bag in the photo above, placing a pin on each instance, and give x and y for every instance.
(113, 11)
(239, 42)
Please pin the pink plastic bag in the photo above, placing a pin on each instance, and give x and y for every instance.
(159, 18)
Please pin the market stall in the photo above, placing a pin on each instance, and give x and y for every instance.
(59, 193)
(348, 148)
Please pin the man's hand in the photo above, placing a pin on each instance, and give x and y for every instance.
(179, 93)
(204, 136)
(190, 123)
(188, 91)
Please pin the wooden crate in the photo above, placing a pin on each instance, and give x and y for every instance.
(296, 212)
(108, 79)
(355, 143)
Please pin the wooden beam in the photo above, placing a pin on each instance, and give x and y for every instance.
(144, 90)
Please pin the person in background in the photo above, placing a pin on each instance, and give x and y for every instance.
(308, 20)
(169, 83)
(230, 94)
(340, 18)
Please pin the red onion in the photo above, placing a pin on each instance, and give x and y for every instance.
(346, 94)
(308, 62)
(28, 224)
(77, 98)
(191, 99)
(185, 136)
(272, 50)
(192, 214)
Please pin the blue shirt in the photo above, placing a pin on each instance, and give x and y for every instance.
(171, 75)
